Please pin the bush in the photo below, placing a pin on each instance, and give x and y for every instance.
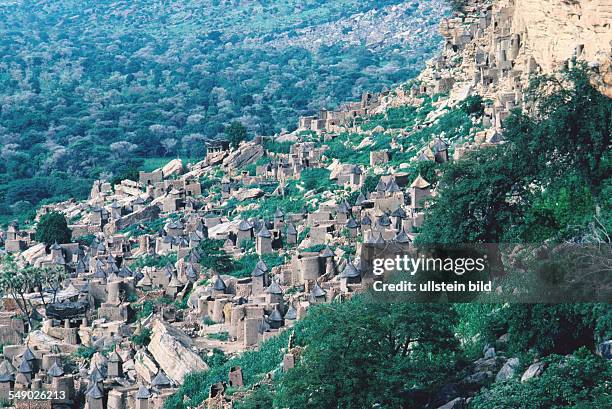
(219, 336)
(580, 380)
(559, 328)
(154, 261)
(52, 228)
(143, 338)
(473, 105)
(85, 352)
(254, 364)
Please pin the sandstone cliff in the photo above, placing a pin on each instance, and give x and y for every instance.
(494, 47)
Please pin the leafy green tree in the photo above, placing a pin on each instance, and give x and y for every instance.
(560, 328)
(357, 354)
(236, 133)
(15, 284)
(472, 205)
(46, 279)
(560, 150)
(52, 228)
(214, 257)
(473, 105)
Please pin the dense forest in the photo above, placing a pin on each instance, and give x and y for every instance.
(88, 89)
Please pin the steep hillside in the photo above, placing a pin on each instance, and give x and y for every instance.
(89, 88)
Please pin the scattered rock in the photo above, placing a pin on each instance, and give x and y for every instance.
(447, 393)
(488, 365)
(507, 371)
(479, 378)
(533, 371)
(457, 403)
(489, 353)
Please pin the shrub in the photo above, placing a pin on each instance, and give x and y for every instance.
(580, 380)
(52, 228)
(143, 338)
(473, 105)
(85, 352)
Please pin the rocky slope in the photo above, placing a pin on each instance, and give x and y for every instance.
(493, 48)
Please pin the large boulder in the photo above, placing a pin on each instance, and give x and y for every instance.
(245, 194)
(246, 154)
(507, 371)
(145, 366)
(174, 167)
(489, 353)
(533, 371)
(605, 349)
(171, 348)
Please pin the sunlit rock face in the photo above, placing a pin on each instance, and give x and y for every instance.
(555, 30)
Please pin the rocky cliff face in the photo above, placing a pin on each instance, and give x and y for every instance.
(494, 47)
(553, 31)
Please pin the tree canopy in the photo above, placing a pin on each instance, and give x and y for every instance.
(53, 228)
(545, 181)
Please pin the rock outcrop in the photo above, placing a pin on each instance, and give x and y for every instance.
(246, 154)
(171, 348)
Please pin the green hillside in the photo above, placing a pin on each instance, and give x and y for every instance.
(89, 88)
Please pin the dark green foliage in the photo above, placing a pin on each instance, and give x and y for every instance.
(580, 381)
(342, 148)
(85, 352)
(110, 86)
(261, 397)
(277, 147)
(219, 336)
(458, 5)
(357, 354)
(473, 105)
(214, 257)
(245, 265)
(52, 228)
(20, 194)
(235, 133)
(547, 328)
(182, 303)
(131, 173)
(563, 149)
(427, 169)
(143, 310)
(471, 205)
(369, 185)
(143, 338)
(215, 359)
(150, 227)
(316, 179)
(154, 261)
(393, 118)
